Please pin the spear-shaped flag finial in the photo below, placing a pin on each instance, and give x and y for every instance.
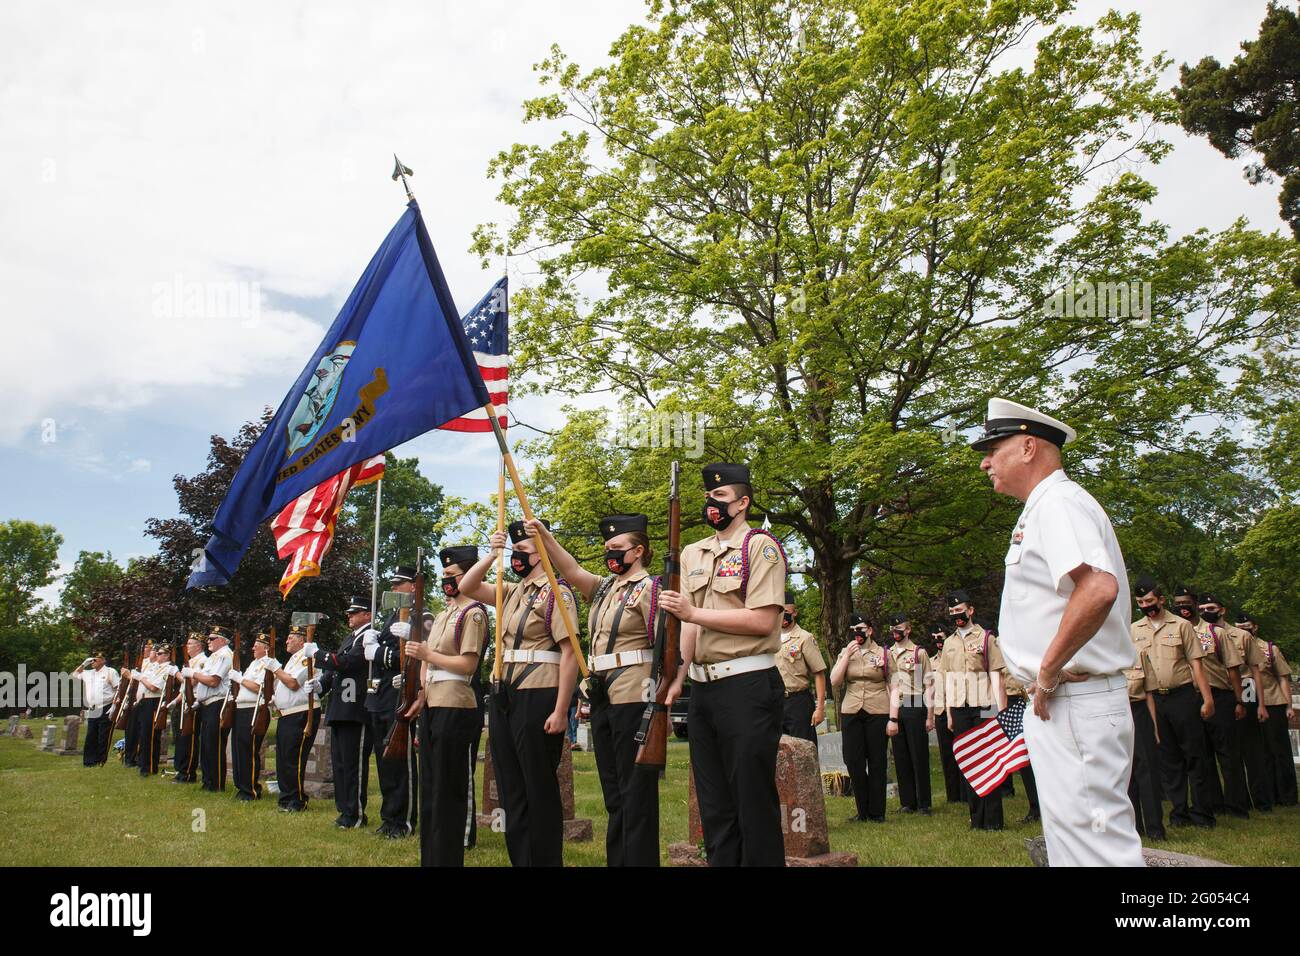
(401, 172)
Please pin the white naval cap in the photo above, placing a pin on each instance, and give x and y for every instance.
(1006, 418)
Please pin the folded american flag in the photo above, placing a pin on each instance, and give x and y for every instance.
(305, 527)
(993, 749)
(486, 329)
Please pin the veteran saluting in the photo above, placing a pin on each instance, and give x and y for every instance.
(1065, 634)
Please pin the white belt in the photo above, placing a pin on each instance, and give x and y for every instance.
(290, 711)
(438, 676)
(741, 665)
(1093, 685)
(530, 657)
(609, 662)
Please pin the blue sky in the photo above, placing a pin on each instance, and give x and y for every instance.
(151, 147)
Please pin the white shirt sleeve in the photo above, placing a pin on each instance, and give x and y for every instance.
(1070, 537)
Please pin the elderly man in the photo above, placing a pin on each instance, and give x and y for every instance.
(1065, 634)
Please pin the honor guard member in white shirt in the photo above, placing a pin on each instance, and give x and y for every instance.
(802, 668)
(211, 680)
(530, 710)
(971, 671)
(399, 802)
(911, 717)
(343, 675)
(299, 710)
(246, 746)
(733, 591)
(99, 683)
(1275, 710)
(449, 719)
(1065, 634)
(149, 690)
(621, 626)
(131, 739)
(185, 754)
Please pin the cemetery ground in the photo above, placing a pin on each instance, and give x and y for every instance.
(55, 811)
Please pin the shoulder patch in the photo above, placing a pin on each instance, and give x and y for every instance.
(769, 553)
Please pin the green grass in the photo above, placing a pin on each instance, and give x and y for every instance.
(54, 811)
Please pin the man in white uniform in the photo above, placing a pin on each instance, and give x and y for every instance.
(1065, 635)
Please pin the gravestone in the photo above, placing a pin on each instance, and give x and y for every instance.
(575, 830)
(803, 812)
(48, 734)
(318, 778)
(23, 732)
(1037, 848)
(12, 729)
(71, 736)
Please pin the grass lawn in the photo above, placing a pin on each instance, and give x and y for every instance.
(54, 811)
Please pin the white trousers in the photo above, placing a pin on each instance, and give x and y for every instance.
(1082, 758)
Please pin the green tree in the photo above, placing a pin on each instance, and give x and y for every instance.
(412, 511)
(1253, 104)
(835, 228)
(29, 556)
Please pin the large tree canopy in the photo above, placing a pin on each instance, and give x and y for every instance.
(836, 228)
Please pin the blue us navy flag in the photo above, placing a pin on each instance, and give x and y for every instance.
(394, 365)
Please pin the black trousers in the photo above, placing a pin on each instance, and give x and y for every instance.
(865, 755)
(735, 729)
(796, 717)
(525, 759)
(148, 740)
(95, 751)
(951, 772)
(212, 746)
(244, 751)
(1184, 757)
(471, 814)
(985, 812)
(1223, 735)
(350, 748)
(912, 758)
(446, 734)
(1144, 780)
(131, 745)
(294, 736)
(631, 792)
(1278, 747)
(185, 756)
(399, 804)
(1259, 775)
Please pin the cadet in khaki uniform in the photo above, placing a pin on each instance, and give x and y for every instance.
(621, 626)
(449, 720)
(529, 712)
(1273, 678)
(910, 717)
(1222, 666)
(863, 670)
(942, 733)
(801, 664)
(1144, 787)
(1183, 701)
(733, 588)
(1259, 782)
(245, 746)
(972, 672)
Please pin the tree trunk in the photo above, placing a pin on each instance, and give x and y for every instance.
(835, 581)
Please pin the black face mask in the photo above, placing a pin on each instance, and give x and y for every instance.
(958, 619)
(1211, 616)
(521, 563)
(723, 518)
(898, 635)
(787, 618)
(1151, 610)
(616, 561)
(1186, 612)
(449, 587)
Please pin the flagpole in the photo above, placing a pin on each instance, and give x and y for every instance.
(374, 560)
(570, 624)
(501, 569)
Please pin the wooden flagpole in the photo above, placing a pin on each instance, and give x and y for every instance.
(501, 570)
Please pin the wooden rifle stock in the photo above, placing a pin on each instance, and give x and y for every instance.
(187, 705)
(228, 705)
(652, 736)
(116, 715)
(399, 738)
(168, 691)
(124, 714)
(262, 709)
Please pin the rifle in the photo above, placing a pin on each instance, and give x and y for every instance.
(168, 689)
(119, 702)
(128, 705)
(309, 619)
(187, 705)
(228, 705)
(262, 709)
(399, 738)
(652, 735)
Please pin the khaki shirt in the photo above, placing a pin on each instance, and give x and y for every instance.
(799, 659)
(963, 653)
(1275, 673)
(631, 684)
(1142, 675)
(536, 636)
(909, 671)
(864, 681)
(442, 638)
(1170, 645)
(1221, 654)
(711, 578)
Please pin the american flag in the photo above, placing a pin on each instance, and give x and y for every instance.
(993, 749)
(304, 529)
(486, 328)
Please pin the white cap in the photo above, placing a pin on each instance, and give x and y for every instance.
(1006, 418)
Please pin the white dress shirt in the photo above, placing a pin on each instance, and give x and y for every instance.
(218, 664)
(255, 671)
(98, 689)
(293, 701)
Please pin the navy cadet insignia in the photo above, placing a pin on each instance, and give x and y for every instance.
(318, 399)
(769, 553)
